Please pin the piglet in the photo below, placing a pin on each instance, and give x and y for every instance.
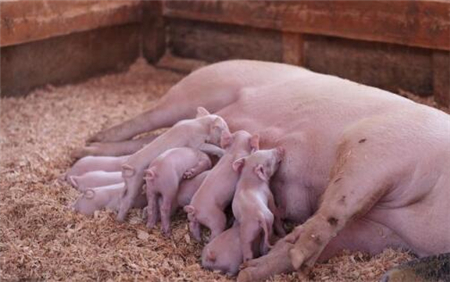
(253, 204)
(94, 199)
(186, 191)
(96, 178)
(217, 191)
(224, 252)
(163, 178)
(90, 163)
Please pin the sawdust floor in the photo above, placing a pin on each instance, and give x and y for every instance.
(41, 239)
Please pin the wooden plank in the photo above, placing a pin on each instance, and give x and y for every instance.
(214, 42)
(25, 21)
(67, 59)
(441, 77)
(387, 66)
(413, 23)
(292, 48)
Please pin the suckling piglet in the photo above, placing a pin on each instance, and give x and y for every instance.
(224, 252)
(253, 204)
(186, 191)
(95, 178)
(217, 190)
(163, 179)
(93, 163)
(98, 198)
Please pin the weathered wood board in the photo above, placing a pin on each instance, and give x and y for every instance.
(413, 23)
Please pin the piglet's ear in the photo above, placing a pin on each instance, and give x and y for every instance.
(201, 112)
(281, 152)
(189, 209)
(89, 194)
(254, 143)
(226, 139)
(210, 255)
(149, 174)
(261, 172)
(218, 123)
(238, 164)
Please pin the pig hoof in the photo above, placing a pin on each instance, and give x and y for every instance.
(188, 174)
(78, 153)
(98, 137)
(121, 217)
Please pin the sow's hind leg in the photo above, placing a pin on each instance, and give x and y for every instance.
(121, 148)
(180, 102)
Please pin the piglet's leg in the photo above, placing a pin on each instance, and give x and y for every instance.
(166, 211)
(248, 232)
(201, 166)
(216, 222)
(152, 209)
(194, 227)
(278, 223)
(114, 148)
(211, 149)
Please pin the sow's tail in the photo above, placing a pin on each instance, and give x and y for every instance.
(434, 268)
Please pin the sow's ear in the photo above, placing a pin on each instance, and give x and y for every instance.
(261, 172)
(254, 143)
(201, 112)
(238, 164)
(226, 139)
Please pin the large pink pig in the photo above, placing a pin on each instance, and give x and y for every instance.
(364, 169)
(103, 197)
(163, 178)
(253, 203)
(95, 178)
(215, 194)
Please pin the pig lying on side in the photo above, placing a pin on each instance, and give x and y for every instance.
(253, 204)
(87, 164)
(104, 197)
(95, 178)
(163, 178)
(217, 191)
(224, 253)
